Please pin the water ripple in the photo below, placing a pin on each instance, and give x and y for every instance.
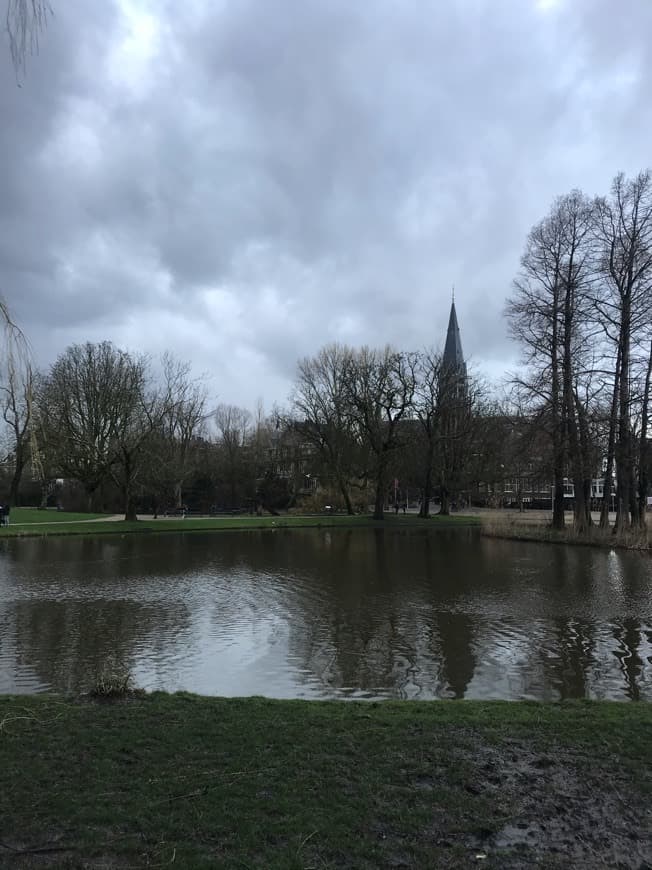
(328, 615)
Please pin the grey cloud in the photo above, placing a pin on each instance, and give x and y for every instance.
(277, 174)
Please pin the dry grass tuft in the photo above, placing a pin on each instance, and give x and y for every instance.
(113, 681)
(520, 530)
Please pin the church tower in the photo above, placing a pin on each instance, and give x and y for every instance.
(453, 359)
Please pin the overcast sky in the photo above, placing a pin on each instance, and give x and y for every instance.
(244, 181)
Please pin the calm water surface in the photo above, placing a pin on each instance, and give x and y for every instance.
(328, 614)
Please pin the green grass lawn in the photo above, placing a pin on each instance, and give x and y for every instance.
(21, 527)
(183, 781)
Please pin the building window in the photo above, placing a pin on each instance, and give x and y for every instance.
(597, 488)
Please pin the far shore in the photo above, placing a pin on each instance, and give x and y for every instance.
(535, 526)
(30, 522)
(509, 524)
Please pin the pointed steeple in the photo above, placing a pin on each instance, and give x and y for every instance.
(453, 358)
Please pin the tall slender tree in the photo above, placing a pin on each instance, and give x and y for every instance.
(624, 231)
(17, 398)
(16, 402)
(547, 316)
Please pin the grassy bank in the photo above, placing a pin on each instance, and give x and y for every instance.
(219, 524)
(202, 782)
(595, 536)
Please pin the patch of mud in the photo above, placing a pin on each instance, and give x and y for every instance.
(561, 816)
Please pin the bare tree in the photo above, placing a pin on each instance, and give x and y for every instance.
(644, 443)
(143, 408)
(380, 387)
(137, 413)
(455, 429)
(547, 316)
(16, 401)
(610, 453)
(234, 426)
(624, 230)
(86, 397)
(182, 421)
(16, 397)
(574, 215)
(427, 409)
(320, 400)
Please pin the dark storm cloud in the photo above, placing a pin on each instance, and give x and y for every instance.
(244, 182)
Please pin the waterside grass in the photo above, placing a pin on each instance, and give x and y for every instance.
(542, 532)
(30, 522)
(220, 524)
(180, 780)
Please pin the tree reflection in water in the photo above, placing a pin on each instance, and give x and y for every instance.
(328, 613)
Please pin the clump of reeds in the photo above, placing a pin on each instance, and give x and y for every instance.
(112, 682)
(512, 529)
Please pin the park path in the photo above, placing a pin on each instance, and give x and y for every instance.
(113, 518)
(534, 517)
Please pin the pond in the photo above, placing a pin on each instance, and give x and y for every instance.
(315, 613)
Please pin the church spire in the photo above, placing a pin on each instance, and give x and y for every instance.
(453, 358)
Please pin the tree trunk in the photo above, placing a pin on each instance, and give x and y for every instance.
(623, 452)
(607, 489)
(445, 508)
(13, 491)
(427, 494)
(130, 509)
(45, 492)
(569, 411)
(585, 459)
(14, 487)
(580, 508)
(178, 495)
(130, 506)
(643, 452)
(611, 444)
(587, 502)
(558, 519)
(379, 504)
(581, 505)
(344, 490)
